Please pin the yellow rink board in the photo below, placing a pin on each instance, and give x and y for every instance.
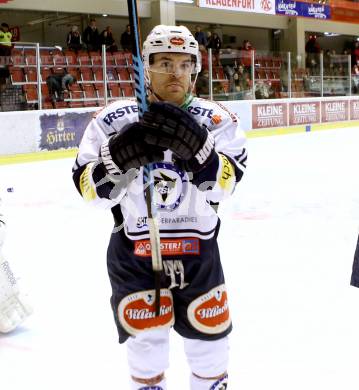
(57, 154)
(37, 156)
(300, 129)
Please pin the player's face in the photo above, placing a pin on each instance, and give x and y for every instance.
(170, 76)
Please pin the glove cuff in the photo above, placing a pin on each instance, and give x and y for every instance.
(107, 161)
(203, 154)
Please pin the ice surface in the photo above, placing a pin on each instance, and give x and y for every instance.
(287, 243)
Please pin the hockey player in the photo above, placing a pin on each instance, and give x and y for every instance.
(355, 273)
(13, 309)
(198, 153)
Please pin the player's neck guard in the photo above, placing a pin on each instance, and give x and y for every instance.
(187, 100)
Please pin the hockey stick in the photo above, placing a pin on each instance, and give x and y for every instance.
(147, 170)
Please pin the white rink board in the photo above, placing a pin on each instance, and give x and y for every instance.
(25, 132)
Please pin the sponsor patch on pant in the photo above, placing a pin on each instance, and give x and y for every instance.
(169, 247)
(209, 313)
(136, 312)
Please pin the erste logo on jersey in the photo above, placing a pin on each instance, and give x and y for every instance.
(119, 113)
(209, 313)
(170, 186)
(136, 312)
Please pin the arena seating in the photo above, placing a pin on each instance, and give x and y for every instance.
(267, 70)
(85, 66)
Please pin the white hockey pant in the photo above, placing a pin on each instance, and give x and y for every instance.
(148, 358)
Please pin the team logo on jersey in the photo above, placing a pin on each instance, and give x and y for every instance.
(136, 312)
(216, 119)
(178, 41)
(170, 186)
(209, 313)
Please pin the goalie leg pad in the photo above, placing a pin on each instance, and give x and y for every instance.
(12, 313)
(13, 309)
(148, 355)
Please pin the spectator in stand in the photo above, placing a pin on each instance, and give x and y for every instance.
(312, 49)
(247, 46)
(5, 40)
(108, 40)
(264, 90)
(126, 39)
(5, 51)
(355, 55)
(202, 84)
(214, 42)
(201, 38)
(91, 36)
(74, 41)
(228, 61)
(339, 71)
(58, 84)
(355, 78)
(246, 54)
(219, 91)
(242, 82)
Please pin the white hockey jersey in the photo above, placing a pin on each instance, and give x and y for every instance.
(183, 209)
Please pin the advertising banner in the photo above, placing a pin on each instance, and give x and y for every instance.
(63, 131)
(335, 110)
(269, 115)
(354, 110)
(253, 6)
(306, 10)
(304, 113)
(317, 11)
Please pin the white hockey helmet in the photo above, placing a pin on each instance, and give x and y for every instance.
(171, 39)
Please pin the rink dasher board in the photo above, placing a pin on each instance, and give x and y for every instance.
(29, 136)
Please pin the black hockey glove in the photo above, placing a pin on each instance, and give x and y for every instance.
(127, 149)
(171, 127)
